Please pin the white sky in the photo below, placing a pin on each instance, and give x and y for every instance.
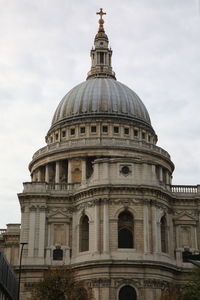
(44, 52)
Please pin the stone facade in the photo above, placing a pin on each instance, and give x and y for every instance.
(101, 197)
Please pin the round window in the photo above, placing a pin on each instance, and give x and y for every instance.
(125, 170)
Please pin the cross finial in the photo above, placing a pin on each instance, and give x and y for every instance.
(101, 21)
(101, 13)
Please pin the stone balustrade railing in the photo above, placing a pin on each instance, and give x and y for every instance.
(185, 189)
(2, 231)
(97, 142)
(43, 187)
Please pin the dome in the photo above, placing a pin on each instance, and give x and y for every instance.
(103, 97)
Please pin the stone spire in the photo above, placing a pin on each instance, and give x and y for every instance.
(101, 54)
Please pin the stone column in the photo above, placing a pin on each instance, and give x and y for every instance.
(153, 172)
(106, 231)
(69, 171)
(47, 173)
(96, 226)
(160, 174)
(146, 229)
(145, 173)
(39, 174)
(154, 230)
(31, 241)
(42, 220)
(57, 174)
(67, 248)
(83, 165)
(106, 171)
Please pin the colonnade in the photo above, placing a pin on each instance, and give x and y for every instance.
(60, 171)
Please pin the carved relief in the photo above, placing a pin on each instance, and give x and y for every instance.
(155, 283)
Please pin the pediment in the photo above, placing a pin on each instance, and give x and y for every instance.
(184, 216)
(57, 215)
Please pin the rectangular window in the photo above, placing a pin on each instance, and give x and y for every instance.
(143, 135)
(93, 129)
(149, 138)
(136, 133)
(116, 129)
(63, 133)
(126, 131)
(56, 136)
(105, 129)
(72, 131)
(101, 57)
(82, 130)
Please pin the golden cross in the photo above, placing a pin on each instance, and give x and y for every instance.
(101, 13)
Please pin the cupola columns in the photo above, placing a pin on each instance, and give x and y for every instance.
(101, 54)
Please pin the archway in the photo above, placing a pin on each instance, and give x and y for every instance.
(127, 292)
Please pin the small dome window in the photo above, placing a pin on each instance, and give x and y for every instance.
(143, 135)
(72, 131)
(82, 130)
(105, 129)
(135, 133)
(126, 130)
(116, 129)
(93, 129)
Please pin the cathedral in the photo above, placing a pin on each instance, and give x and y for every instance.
(101, 197)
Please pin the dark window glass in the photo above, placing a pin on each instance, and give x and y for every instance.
(186, 255)
(116, 129)
(63, 133)
(82, 130)
(93, 129)
(149, 138)
(125, 170)
(101, 57)
(127, 293)
(125, 230)
(143, 135)
(56, 136)
(57, 254)
(84, 234)
(105, 128)
(135, 132)
(126, 130)
(72, 131)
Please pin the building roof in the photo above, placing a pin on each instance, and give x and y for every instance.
(101, 96)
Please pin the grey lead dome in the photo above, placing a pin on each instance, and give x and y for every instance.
(101, 96)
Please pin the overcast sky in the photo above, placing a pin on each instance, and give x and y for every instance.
(44, 52)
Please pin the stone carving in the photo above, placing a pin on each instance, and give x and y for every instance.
(127, 281)
(187, 212)
(101, 282)
(155, 283)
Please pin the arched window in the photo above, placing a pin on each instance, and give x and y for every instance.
(125, 230)
(84, 234)
(163, 235)
(127, 292)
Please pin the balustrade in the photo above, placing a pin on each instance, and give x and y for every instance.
(185, 189)
(119, 142)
